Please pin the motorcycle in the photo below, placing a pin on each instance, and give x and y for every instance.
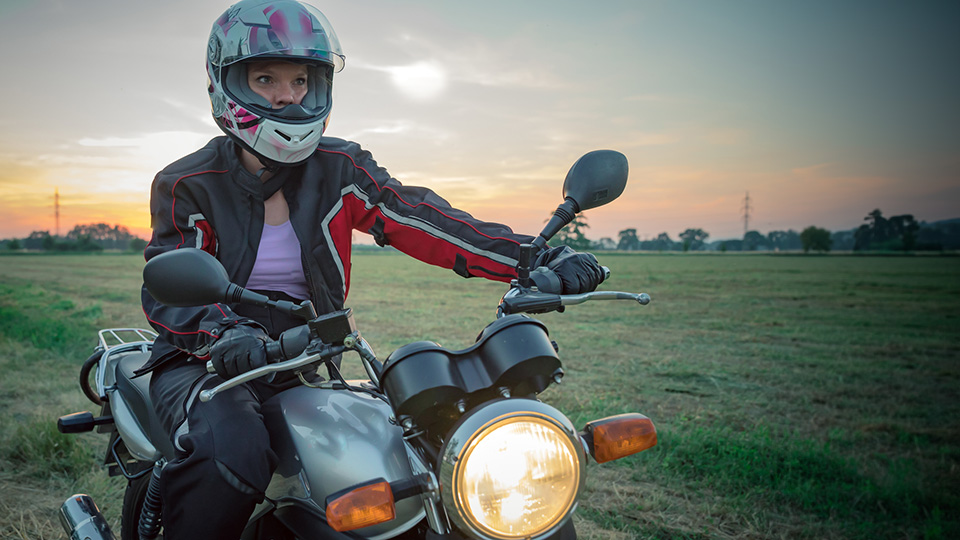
(437, 444)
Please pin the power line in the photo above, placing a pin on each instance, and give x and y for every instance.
(56, 208)
(746, 213)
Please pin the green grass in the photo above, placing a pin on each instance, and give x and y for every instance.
(795, 397)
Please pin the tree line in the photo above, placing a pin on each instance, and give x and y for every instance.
(91, 237)
(878, 233)
(896, 233)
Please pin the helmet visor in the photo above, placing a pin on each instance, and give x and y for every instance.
(280, 30)
(315, 102)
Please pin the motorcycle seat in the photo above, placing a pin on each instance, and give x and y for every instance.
(136, 392)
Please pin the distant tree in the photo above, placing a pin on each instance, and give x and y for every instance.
(734, 245)
(35, 240)
(939, 235)
(138, 244)
(816, 239)
(842, 240)
(628, 240)
(661, 243)
(49, 243)
(574, 234)
(693, 239)
(605, 243)
(86, 243)
(104, 235)
(896, 233)
(784, 240)
(905, 229)
(14, 245)
(753, 241)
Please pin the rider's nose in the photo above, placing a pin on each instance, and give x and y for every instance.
(282, 99)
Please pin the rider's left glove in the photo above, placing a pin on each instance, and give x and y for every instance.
(239, 349)
(578, 272)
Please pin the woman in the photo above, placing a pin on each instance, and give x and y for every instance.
(276, 203)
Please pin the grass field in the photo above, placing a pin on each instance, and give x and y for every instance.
(795, 396)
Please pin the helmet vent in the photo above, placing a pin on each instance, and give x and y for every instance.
(295, 139)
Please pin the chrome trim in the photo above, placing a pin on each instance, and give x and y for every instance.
(431, 492)
(82, 520)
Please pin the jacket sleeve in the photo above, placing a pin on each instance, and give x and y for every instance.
(177, 222)
(420, 223)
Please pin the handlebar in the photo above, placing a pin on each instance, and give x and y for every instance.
(304, 345)
(546, 297)
(295, 349)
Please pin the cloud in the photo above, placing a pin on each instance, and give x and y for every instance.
(471, 61)
(406, 128)
(150, 151)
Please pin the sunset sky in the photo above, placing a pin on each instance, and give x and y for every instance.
(821, 110)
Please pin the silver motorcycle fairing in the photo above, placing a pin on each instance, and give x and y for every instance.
(328, 440)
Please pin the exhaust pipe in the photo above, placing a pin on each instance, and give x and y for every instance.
(82, 520)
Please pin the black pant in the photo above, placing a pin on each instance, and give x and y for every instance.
(224, 460)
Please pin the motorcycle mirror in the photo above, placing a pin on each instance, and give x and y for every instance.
(186, 277)
(192, 277)
(594, 180)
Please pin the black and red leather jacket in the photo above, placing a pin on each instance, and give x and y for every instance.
(208, 200)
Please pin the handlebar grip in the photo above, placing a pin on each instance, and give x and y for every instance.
(533, 303)
(547, 281)
(290, 344)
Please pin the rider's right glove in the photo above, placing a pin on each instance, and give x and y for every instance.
(578, 272)
(240, 349)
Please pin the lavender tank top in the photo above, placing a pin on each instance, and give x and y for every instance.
(278, 266)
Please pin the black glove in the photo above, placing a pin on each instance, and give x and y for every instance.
(578, 272)
(239, 350)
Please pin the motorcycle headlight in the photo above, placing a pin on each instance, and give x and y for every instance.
(511, 469)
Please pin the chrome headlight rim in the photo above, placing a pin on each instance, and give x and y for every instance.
(477, 422)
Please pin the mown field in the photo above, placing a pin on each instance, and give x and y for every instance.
(795, 396)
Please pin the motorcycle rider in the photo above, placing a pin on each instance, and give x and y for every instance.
(276, 203)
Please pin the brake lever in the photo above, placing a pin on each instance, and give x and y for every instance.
(573, 299)
(306, 358)
(518, 300)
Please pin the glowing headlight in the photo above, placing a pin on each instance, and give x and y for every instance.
(512, 470)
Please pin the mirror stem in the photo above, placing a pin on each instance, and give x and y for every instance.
(527, 252)
(562, 216)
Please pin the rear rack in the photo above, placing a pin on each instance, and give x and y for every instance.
(115, 341)
(114, 337)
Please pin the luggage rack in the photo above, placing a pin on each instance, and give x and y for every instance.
(114, 341)
(115, 337)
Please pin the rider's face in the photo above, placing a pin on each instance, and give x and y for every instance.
(280, 83)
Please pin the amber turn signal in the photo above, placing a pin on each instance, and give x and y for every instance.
(360, 507)
(619, 436)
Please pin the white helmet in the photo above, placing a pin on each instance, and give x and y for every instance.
(280, 29)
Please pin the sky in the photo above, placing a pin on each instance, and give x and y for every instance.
(821, 110)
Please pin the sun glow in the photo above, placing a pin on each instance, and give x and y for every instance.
(421, 81)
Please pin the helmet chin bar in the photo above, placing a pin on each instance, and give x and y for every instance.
(286, 137)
